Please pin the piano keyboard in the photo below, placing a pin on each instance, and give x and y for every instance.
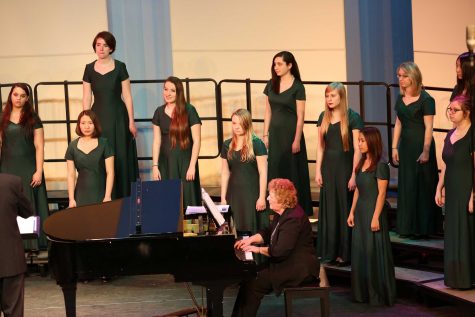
(244, 256)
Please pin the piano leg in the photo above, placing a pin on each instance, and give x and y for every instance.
(61, 261)
(214, 299)
(69, 293)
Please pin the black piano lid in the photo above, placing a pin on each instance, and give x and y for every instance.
(160, 213)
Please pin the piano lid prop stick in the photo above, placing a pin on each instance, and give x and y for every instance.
(138, 204)
(212, 208)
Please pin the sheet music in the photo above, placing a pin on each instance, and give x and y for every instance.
(29, 225)
(212, 208)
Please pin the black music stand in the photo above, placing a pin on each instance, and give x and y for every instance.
(155, 209)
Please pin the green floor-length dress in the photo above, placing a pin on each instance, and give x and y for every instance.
(334, 235)
(174, 162)
(114, 120)
(18, 157)
(281, 162)
(91, 181)
(372, 269)
(243, 188)
(459, 237)
(416, 208)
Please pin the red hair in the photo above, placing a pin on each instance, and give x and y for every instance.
(284, 191)
(179, 128)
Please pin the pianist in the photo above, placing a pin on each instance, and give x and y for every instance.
(288, 244)
(13, 203)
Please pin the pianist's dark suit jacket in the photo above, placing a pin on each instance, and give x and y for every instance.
(292, 253)
(12, 203)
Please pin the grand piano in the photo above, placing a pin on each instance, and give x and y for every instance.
(134, 236)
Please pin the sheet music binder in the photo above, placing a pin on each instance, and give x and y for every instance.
(155, 208)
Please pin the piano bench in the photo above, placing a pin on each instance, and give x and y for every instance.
(311, 291)
(186, 312)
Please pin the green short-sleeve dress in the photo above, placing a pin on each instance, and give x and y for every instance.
(243, 188)
(372, 268)
(334, 235)
(416, 208)
(18, 157)
(281, 162)
(174, 162)
(114, 120)
(91, 167)
(459, 236)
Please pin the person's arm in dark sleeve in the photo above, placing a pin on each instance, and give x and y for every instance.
(265, 234)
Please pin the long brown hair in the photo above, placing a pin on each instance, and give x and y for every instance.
(461, 59)
(327, 114)
(288, 58)
(247, 150)
(27, 117)
(179, 128)
(375, 148)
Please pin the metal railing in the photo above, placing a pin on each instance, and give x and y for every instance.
(361, 85)
(68, 121)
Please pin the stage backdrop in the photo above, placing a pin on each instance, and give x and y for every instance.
(50, 40)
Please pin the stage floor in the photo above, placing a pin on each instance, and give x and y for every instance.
(140, 296)
(435, 244)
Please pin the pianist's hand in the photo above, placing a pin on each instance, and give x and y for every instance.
(72, 203)
(251, 248)
(190, 174)
(156, 174)
(241, 244)
(261, 204)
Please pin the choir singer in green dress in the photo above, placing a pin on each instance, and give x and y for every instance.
(177, 141)
(22, 150)
(372, 269)
(456, 177)
(244, 175)
(413, 148)
(283, 127)
(337, 157)
(93, 158)
(108, 80)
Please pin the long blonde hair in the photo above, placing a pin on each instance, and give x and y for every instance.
(247, 150)
(343, 107)
(413, 72)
